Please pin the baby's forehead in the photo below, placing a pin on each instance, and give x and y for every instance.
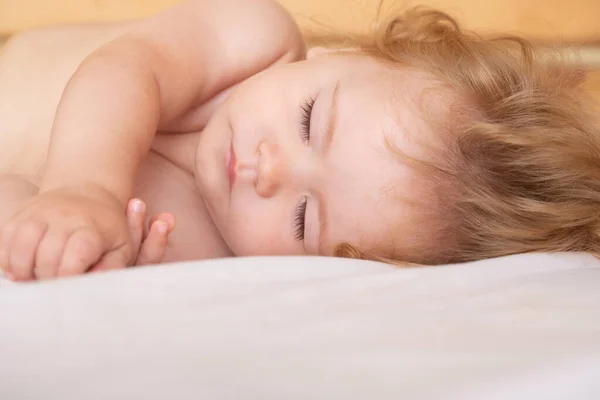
(374, 188)
(387, 190)
(422, 108)
(406, 106)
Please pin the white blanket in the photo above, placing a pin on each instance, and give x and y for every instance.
(521, 327)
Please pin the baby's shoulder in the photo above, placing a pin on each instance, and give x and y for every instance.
(218, 44)
(267, 20)
(254, 35)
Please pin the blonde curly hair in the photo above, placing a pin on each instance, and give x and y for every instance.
(521, 167)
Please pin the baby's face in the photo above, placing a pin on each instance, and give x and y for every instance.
(295, 160)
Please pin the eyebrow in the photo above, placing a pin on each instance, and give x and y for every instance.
(329, 131)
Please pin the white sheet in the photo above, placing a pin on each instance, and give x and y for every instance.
(522, 327)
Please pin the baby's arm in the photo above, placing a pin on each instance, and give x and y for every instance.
(160, 71)
(151, 78)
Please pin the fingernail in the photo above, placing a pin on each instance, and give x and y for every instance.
(137, 206)
(162, 227)
(10, 276)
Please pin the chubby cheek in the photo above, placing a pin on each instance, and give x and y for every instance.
(248, 240)
(259, 230)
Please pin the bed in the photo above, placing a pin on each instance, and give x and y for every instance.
(518, 327)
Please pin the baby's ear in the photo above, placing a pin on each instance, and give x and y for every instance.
(318, 51)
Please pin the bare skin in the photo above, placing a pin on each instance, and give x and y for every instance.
(66, 181)
(29, 133)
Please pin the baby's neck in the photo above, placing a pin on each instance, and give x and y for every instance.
(179, 149)
(166, 184)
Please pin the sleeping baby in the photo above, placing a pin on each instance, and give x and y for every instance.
(209, 131)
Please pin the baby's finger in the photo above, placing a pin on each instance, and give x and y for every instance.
(166, 217)
(136, 214)
(155, 245)
(83, 249)
(49, 253)
(23, 248)
(5, 239)
(115, 259)
(4, 266)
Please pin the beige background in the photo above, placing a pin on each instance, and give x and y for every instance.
(572, 22)
(567, 20)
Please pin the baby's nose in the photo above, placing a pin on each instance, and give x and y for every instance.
(271, 169)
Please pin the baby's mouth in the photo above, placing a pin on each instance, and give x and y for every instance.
(230, 162)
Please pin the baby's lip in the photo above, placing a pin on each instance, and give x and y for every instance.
(230, 161)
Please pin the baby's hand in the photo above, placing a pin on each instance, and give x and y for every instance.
(65, 232)
(149, 245)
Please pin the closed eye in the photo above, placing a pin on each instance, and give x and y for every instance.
(307, 107)
(299, 220)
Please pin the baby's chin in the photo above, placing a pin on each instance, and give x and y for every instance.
(234, 246)
(234, 242)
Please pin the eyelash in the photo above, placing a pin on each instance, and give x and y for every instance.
(307, 107)
(299, 220)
